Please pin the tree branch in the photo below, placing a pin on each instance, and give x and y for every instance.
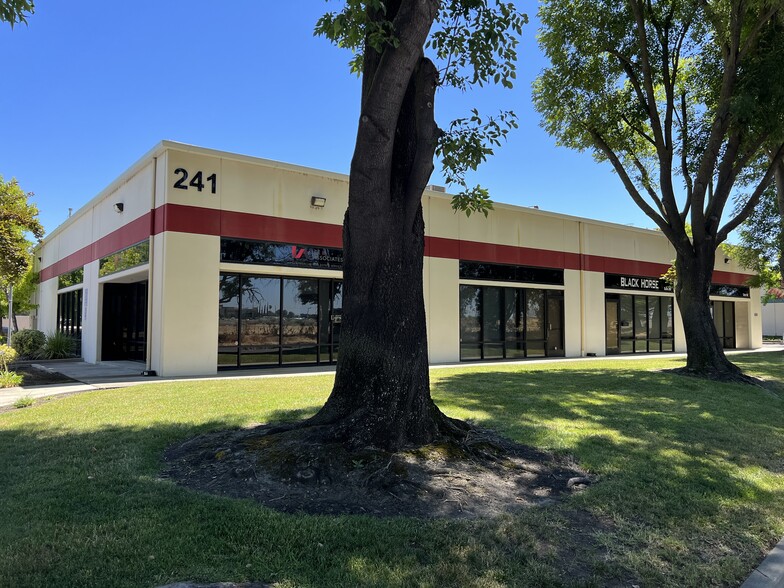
(602, 145)
(752, 202)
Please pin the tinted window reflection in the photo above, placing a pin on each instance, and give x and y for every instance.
(300, 321)
(257, 327)
(260, 320)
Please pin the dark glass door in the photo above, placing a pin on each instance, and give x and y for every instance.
(613, 343)
(555, 334)
(724, 320)
(124, 329)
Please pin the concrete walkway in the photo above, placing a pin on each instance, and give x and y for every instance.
(119, 374)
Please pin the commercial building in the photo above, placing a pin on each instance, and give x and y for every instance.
(195, 260)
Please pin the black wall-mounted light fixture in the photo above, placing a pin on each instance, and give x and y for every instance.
(119, 207)
(318, 201)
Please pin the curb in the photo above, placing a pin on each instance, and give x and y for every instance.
(770, 573)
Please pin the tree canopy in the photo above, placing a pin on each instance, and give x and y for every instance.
(472, 43)
(682, 98)
(18, 219)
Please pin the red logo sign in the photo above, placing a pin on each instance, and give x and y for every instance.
(297, 253)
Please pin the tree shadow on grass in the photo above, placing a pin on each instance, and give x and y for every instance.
(87, 508)
(688, 469)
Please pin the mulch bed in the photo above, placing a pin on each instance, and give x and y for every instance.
(483, 476)
(34, 376)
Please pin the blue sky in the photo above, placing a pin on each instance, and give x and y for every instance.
(89, 87)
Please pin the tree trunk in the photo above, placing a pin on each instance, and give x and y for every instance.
(778, 178)
(381, 395)
(705, 353)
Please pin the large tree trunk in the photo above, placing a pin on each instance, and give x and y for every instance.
(778, 178)
(705, 355)
(381, 395)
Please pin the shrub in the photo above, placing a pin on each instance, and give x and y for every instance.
(24, 402)
(7, 355)
(28, 342)
(10, 379)
(58, 346)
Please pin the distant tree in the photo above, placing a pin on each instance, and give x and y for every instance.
(23, 296)
(682, 98)
(18, 220)
(16, 11)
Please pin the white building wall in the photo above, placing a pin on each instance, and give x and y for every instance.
(593, 304)
(772, 319)
(185, 336)
(442, 308)
(573, 314)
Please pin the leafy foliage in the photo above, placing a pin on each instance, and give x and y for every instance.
(18, 218)
(29, 342)
(58, 346)
(680, 97)
(473, 43)
(23, 293)
(16, 11)
(7, 355)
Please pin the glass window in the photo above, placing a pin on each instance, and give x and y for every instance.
(132, 256)
(513, 326)
(69, 315)
(491, 314)
(627, 318)
(472, 270)
(71, 278)
(667, 318)
(228, 319)
(260, 320)
(654, 317)
(286, 254)
(470, 326)
(534, 315)
(640, 318)
(300, 321)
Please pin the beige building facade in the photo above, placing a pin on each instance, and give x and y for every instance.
(196, 260)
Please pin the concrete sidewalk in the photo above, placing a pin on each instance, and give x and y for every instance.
(119, 374)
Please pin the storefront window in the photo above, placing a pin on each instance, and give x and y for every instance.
(69, 315)
(510, 323)
(645, 323)
(266, 320)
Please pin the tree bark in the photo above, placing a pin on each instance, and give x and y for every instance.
(381, 396)
(706, 356)
(778, 178)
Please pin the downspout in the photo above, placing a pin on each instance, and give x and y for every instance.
(150, 266)
(581, 230)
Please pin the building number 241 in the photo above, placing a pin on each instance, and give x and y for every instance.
(196, 182)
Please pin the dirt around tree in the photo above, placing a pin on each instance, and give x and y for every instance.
(481, 476)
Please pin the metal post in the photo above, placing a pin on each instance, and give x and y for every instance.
(10, 312)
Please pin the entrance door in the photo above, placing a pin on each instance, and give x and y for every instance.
(724, 319)
(611, 326)
(555, 335)
(330, 315)
(124, 322)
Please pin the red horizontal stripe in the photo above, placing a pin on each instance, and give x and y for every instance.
(241, 225)
(613, 265)
(135, 231)
(260, 227)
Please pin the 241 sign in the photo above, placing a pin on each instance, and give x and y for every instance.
(196, 182)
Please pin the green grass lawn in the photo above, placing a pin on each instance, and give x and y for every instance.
(690, 491)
